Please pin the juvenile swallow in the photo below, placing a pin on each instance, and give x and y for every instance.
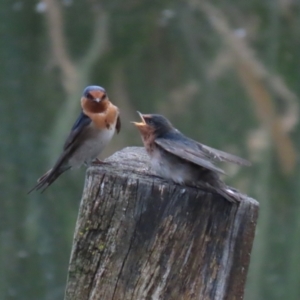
(180, 159)
(92, 131)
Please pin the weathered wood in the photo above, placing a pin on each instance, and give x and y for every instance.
(139, 237)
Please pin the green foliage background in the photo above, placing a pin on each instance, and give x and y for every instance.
(226, 74)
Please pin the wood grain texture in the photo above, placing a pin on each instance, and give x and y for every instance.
(139, 237)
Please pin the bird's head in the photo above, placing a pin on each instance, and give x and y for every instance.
(94, 99)
(153, 124)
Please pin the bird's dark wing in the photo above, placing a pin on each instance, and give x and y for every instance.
(81, 123)
(218, 155)
(180, 149)
(118, 124)
(77, 134)
(190, 150)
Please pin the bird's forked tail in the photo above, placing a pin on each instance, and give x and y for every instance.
(48, 178)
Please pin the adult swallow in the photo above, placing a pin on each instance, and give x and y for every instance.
(92, 131)
(176, 157)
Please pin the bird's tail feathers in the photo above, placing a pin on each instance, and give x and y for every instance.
(230, 195)
(44, 176)
(48, 178)
(224, 191)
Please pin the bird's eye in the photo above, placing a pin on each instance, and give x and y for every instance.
(150, 122)
(89, 96)
(103, 97)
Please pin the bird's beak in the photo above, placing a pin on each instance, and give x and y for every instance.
(139, 124)
(97, 100)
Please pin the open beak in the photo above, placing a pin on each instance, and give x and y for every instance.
(139, 124)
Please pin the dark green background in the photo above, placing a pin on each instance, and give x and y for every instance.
(226, 75)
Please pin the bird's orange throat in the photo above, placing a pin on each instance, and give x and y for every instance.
(103, 114)
(147, 133)
(93, 106)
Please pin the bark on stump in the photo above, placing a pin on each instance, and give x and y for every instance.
(140, 237)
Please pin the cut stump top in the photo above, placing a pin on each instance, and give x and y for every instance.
(140, 237)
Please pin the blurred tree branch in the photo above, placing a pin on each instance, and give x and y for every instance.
(75, 76)
(68, 69)
(260, 85)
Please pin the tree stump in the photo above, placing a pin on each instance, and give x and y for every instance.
(140, 237)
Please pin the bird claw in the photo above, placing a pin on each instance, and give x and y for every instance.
(98, 161)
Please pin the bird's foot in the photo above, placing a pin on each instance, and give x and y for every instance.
(99, 162)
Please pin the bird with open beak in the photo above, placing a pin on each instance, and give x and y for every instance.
(176, 157)
(92, 131)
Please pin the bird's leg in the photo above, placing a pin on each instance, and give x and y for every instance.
(98, 161)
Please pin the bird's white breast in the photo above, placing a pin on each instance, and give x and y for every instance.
(93, 145)
(103, 138)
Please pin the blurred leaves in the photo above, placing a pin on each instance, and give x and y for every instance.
(261, 86)
(225, 73)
